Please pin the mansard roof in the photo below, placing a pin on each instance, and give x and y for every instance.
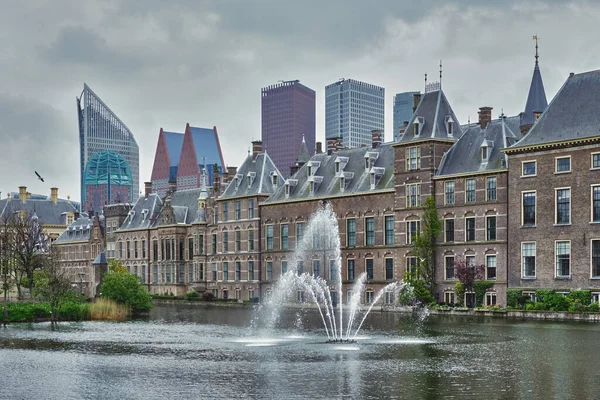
(48, 212)
(433, 112)
(352, 168)
(536, 99)
(144, 213)
(79, 230)
(465, 156)
(253, 177)
(184, 204)
(571, 115)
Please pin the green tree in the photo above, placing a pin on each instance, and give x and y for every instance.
(52, 283)
(125, 288)
(425, 243)
(117, 267)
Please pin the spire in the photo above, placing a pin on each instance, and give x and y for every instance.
(536, 99)
(440, 74)
(303, 156)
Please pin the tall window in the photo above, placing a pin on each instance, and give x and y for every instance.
(214, 271)
(596, 258)
(283, 267)
(563, 206)
(563, 164)
(413, 195)
(412, 229)
(155, 274)
(128, 249)
(563, 259)
(413, 158)
(190, 248)
(181, 271)
(238, 209)
(528, 259)
(369, 265)
(225, 242)
(269, 229)
(284, 237)
(351, 232)
(316, 267)
(144, 248)
(596, 203)
(238, 240)
(332, 270)
(350, 265)
(201, 271)
(449, 191)
(491, 227)
(412, 266)
(238, 270)
(490, 264)
(389, 269)
(250, 270)
(250, 208)
(181, 248)
(449, 230)
(300, 267)
(529, 208)
(215, 214)
(225, 270)
(596, 160)
(201, 244)
(470, 191)
(449, 264)
(225, 211)
(251, 240)
(155, 250)
(214, 243)
(491, 188)
(370, 228)
(389, 229)
(299, 232)
(470, 229)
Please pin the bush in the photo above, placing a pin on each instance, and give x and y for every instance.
(421, 292)
(595, 307)
(73, 312)
(516, 299)
(192, 296)
(208, 296)
(24, 312)
(254, 300)
(540, 295)
(577, 307)
(126, 289)
(580, 296)
(556, 302)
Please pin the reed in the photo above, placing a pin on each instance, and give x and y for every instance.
(108, 310)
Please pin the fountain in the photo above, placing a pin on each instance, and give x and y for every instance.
(320, 243)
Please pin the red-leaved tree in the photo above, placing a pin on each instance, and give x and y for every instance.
(468, 273)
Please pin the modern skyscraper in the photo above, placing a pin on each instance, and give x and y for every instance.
(403, 111)
(101, 130)
(352, 110)
(288, 114)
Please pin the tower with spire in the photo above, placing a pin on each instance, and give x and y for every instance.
(536, 99)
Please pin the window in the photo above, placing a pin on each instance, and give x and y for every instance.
(214, 243)
(225, 211)
(389, 229)
(563, 259)
(216, 214)
(389, 269)
(201, 271)
(144, 248)
(155, 250)
(225, 270)
(449, 264)
(412, 229)
(190, 248)
(470, 261)
(251, 240)
(470, 191)
(201, 244)
(413, 158)
(528, 259)
(490, 223)
(450, 297)
(181, 274)
(250, 270)
(332, 270)
(238, 209)
(596, 160)
(413, 195)
(368, 296)
(269, 229)
(225, 242)
(300, 267)
(128, 249)
(369, 267)
(284, 237)
(299, 232)
(529, 168)
(214, 271)
(563, 164)
(563, 206)
(596, 258)
(283, 267)
(155, 274)
(238, 270)
(470, 229)
(370, 228)
(449, 191)
(595, 203)
(412, 267)
(490, 299)
(490, 270)
(238, 241)
(181, 248)
(250, 208)
(449, 230)
(316, 268)
(491, 188)
(529, 208)
(351, 232)
(484, 153)
(350, 265)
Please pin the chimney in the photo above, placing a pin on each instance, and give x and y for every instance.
(23, 193)
(376, 138)
(319, 148)
(217, 177)
(172, 186)
(147, 189)
(54, 194)
(231, 171)
(28, 195)
(485, 116)
(331, 145)
(256, 148)
(416, 101)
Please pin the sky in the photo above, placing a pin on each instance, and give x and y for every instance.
(164, 64)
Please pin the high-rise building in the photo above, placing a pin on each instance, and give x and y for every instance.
(288, 114)
(101, 130)
(403, 111)
(352, 110)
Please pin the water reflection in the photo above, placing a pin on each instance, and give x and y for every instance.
(210, 352)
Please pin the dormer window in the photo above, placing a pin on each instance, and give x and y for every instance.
(372, 179)
(287, 190)
(311, 187)
(337, 167)
(367, 162)
(251, 176)
(484, 153)
(274, 179)
(342, 184)
(238, 180)
(418, 126)
(449, 125)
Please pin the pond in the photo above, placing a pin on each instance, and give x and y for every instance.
(195, 352)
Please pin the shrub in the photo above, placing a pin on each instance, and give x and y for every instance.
(108, 310)
(556, 302)
(480, 288)
(595, 307)
(577, 307)
(126, 289)
(254, 300)
(421, 292)
(73, 312)
(580, 296)
(22, 312)
(540, 295)
(192, 296)
(516, 299)
(208, 296)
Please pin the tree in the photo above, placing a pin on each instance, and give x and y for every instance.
(467, 273)
(425, 243)
(117, 266)
(52, 283)
(125, 288)
(6, 262)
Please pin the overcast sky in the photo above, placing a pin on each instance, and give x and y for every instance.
(165, 63)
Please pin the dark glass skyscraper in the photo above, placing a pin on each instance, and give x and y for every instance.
(403, 111)
(101, 130)
(288, 113)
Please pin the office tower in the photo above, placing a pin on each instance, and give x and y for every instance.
(352, 110)
(288, 114)
(403, 111)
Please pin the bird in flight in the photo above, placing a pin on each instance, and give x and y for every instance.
(39, 177)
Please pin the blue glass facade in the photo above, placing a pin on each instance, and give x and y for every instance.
(403, 111)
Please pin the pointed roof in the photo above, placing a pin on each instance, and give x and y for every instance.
(174, 142)
(572, 114)
(433, 112)
(207, 146)
(254, 177)
(536, 99)
(303, 156)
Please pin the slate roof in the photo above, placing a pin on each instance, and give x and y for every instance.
(304, 155)
(465, 155)
(352, 168)
(433, 110)
(101, 259)
(536, 99)
(174, 142)
(185, 206)
(571, 115)
(47, 212)
(253, 177)
(79, 230)
(138, 218)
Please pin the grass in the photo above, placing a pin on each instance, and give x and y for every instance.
(108, 310)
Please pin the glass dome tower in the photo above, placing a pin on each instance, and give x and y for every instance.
(107, 180)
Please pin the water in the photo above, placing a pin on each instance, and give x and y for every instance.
(194, 352)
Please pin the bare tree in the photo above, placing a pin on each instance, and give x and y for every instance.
(53, 282)
(6, 262)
